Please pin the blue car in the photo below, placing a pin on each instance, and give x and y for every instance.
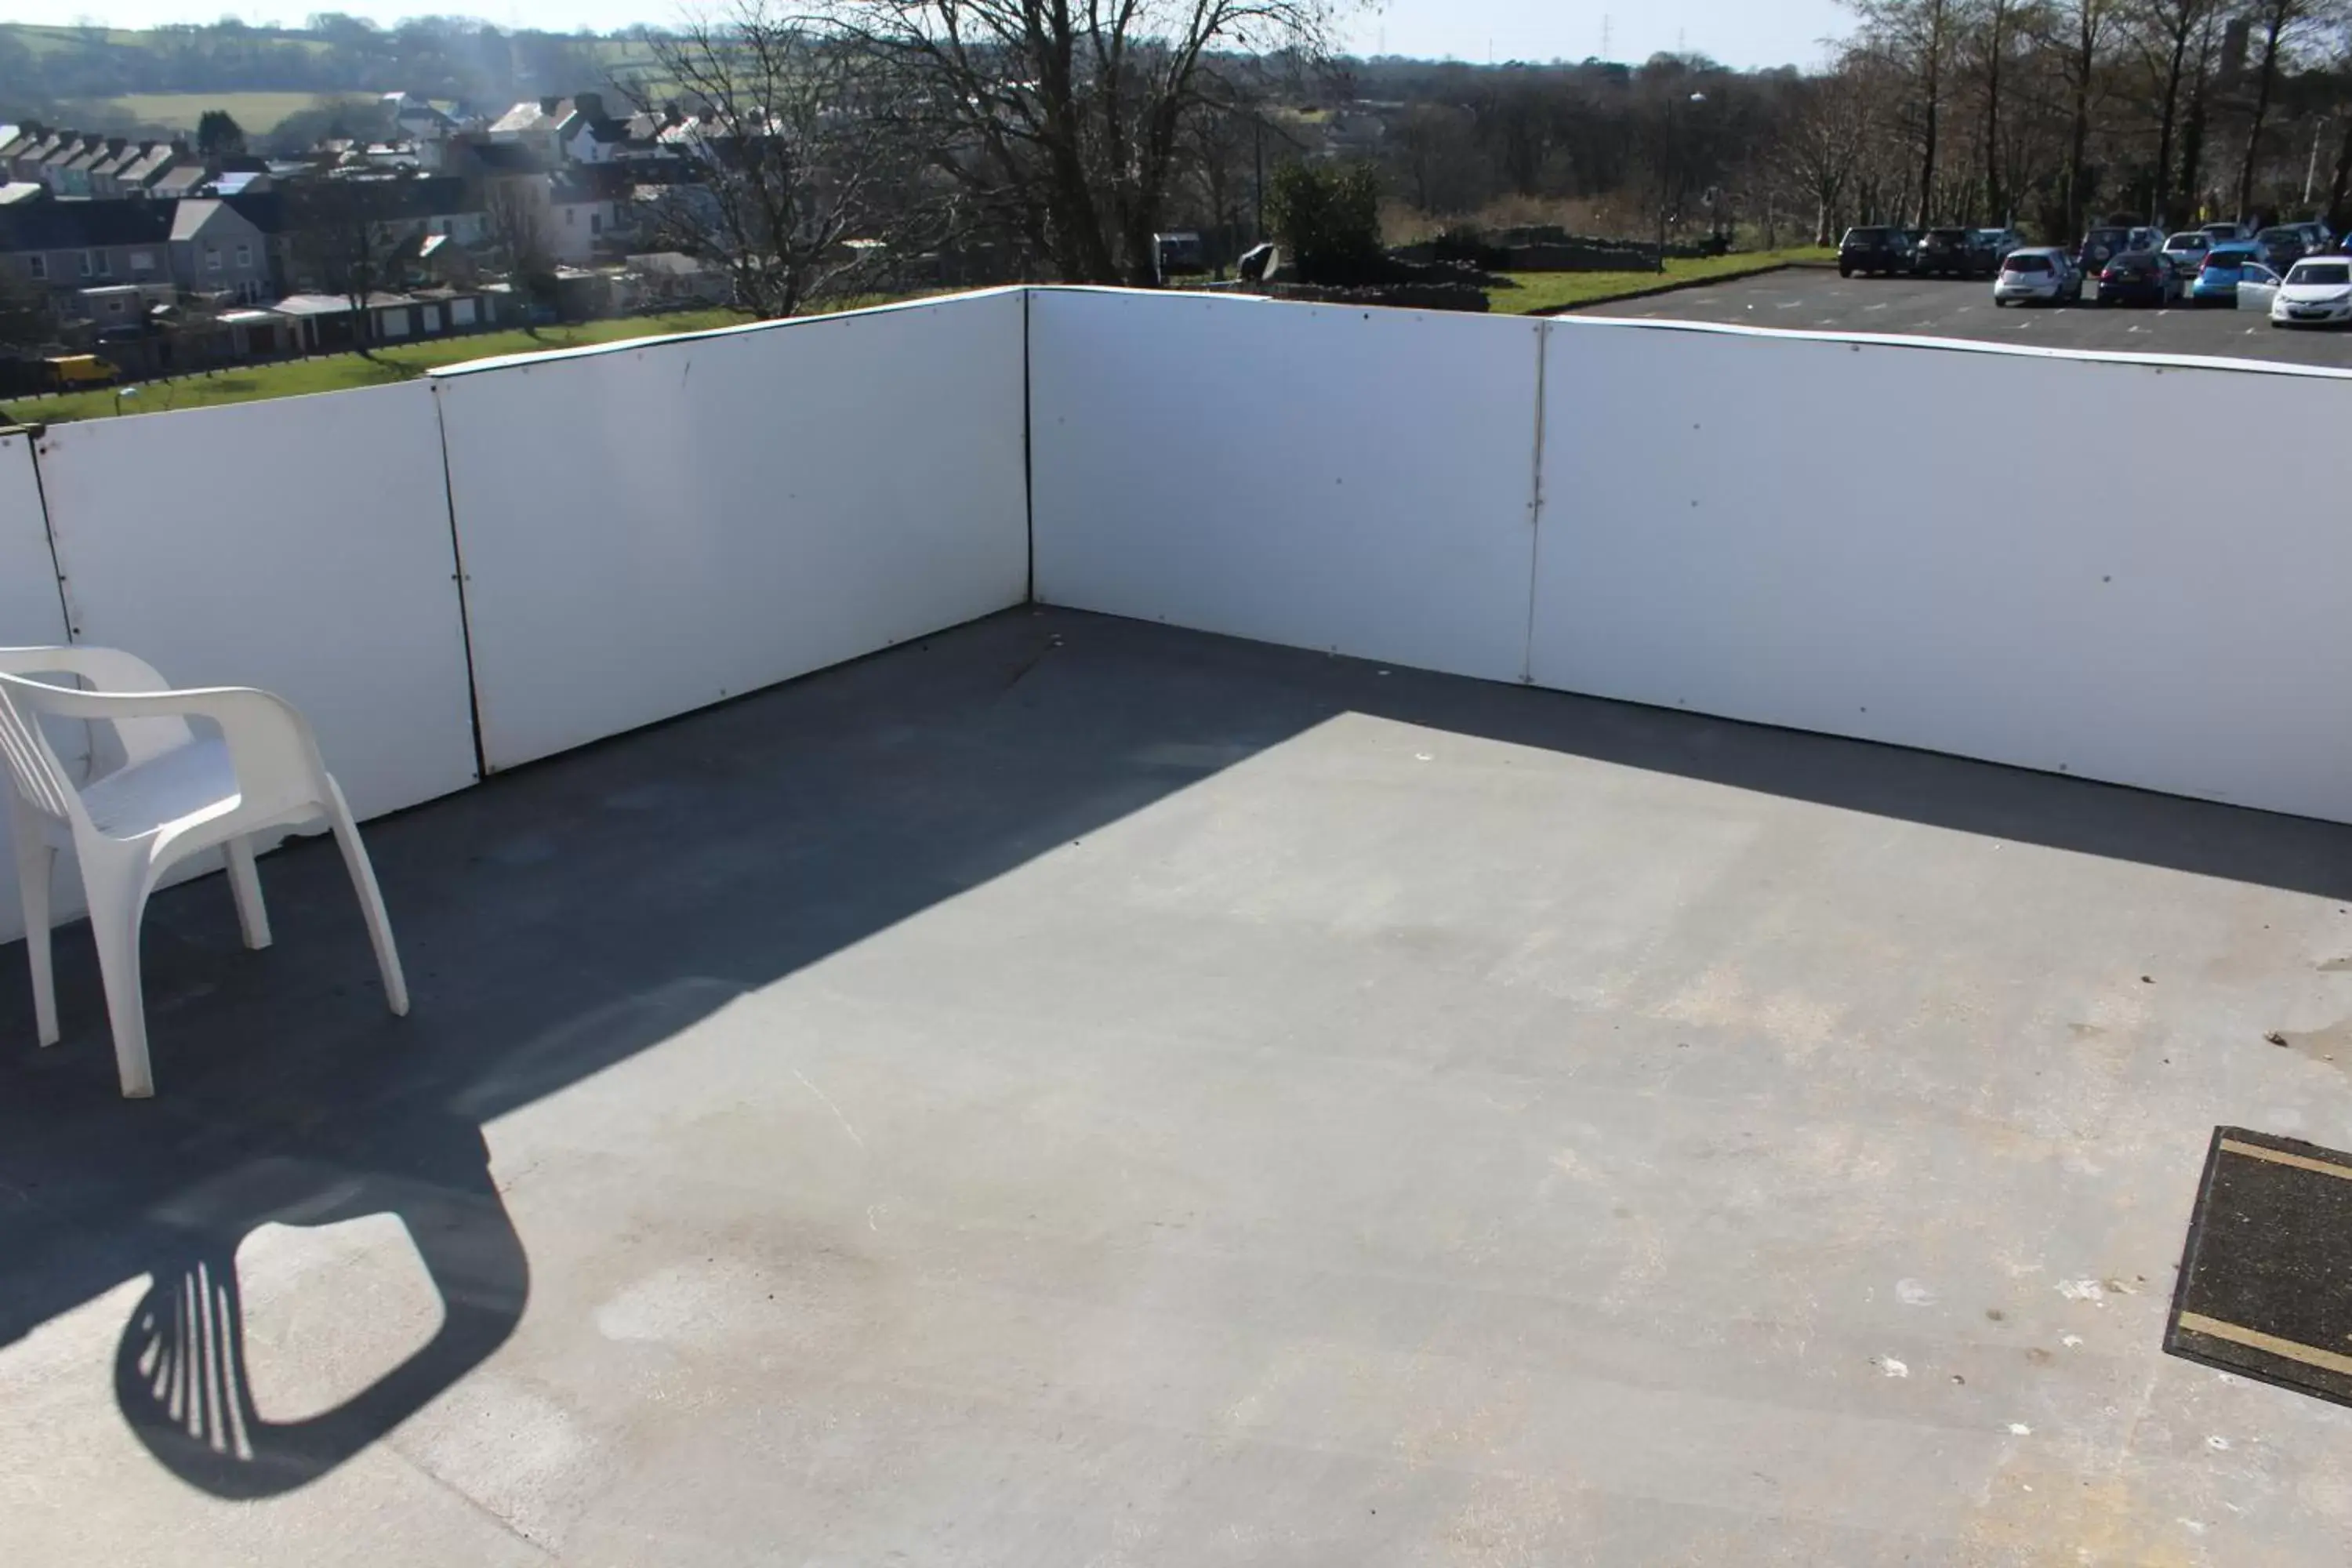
(2217, 281)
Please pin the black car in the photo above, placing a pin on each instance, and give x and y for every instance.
(2138, 278)
(2101, 246)
(1953, 253)
(1881, 250)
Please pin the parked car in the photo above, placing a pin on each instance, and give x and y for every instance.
(2185, 252)
(2225, 265)
(2002, 243)
(1951, 253)
(2099, 245)
(2322, 240)
(2317, 292)
(1886, 251)
(2225, 233)
(2038, 277)
(67, 371)
(2258, 288)
(2138, 278)
(2282, 245)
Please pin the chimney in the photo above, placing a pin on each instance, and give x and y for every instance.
(590, 106)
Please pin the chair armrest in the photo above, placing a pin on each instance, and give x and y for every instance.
(269, 742)
(106, 668)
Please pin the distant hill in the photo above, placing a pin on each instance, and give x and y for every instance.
(115, 80)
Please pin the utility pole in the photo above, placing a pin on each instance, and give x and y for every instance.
(1257, 128)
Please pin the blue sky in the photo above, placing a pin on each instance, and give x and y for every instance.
(1739, 32)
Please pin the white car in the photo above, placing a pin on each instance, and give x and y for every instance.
(2258, 288)
(2317, 293)
(2042, 276)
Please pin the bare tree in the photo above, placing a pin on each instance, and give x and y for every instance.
(789, 157)
(1063, 122)
(516, 224)
(2163, 33)
(2279, 24)
(2080, 34)
(1995, 27)
(1916, 36)
(339, 245)
(1826, 142)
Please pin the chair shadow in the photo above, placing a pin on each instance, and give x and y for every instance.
(181, 1371)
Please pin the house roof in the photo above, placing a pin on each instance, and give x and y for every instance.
(149, 163)
(526, 118)
(207, 217)
(505, 158)
(80, 224)
(179, 181)
(332, 304)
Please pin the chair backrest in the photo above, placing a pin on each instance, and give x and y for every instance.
(107, 669)
(34, 770)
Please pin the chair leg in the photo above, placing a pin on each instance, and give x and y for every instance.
(118, 905)
(245, 885)
(36, 863)
(379, 924)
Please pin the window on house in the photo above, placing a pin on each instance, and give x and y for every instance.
(244, 255)
(142, 261)
(211, 259)
(571, 216)
(595, 223)
(37, 266)
(103, 263)
(114, 307)
(88, 263)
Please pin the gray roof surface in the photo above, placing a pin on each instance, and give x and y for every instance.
(1072, 1091)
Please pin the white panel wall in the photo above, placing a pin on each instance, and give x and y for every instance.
(2043, 561)
(1356, 480)
(653, 527)
(29, 612)
(300, 545)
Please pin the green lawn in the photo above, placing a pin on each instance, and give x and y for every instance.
(1547, 292)
(256, 111)
(340, 372)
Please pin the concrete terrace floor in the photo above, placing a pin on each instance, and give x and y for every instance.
(1076, 1092)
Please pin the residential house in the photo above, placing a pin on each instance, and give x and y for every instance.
(217, 250)
(586, 212)
(415, 209)
(417, 119)
(536, 124)
(180, 180)
(139, 176)
(66, 247)
(30, 151)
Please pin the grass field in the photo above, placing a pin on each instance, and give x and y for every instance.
(256, 112)
(342, 373)
(1548, 291)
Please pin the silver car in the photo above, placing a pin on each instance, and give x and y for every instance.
(2185, 252)
(2044, 275)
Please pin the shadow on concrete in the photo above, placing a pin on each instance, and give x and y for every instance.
(562, 918)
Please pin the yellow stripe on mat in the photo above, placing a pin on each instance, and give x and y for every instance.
(2214, 1327)
(2301, 1163)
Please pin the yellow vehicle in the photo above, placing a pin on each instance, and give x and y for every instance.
(70, 371)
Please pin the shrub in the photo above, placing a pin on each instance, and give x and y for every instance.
(1328, 216)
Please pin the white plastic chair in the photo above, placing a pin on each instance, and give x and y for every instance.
(176, 793)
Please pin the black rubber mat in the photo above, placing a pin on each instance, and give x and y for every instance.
(2266, 1281)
